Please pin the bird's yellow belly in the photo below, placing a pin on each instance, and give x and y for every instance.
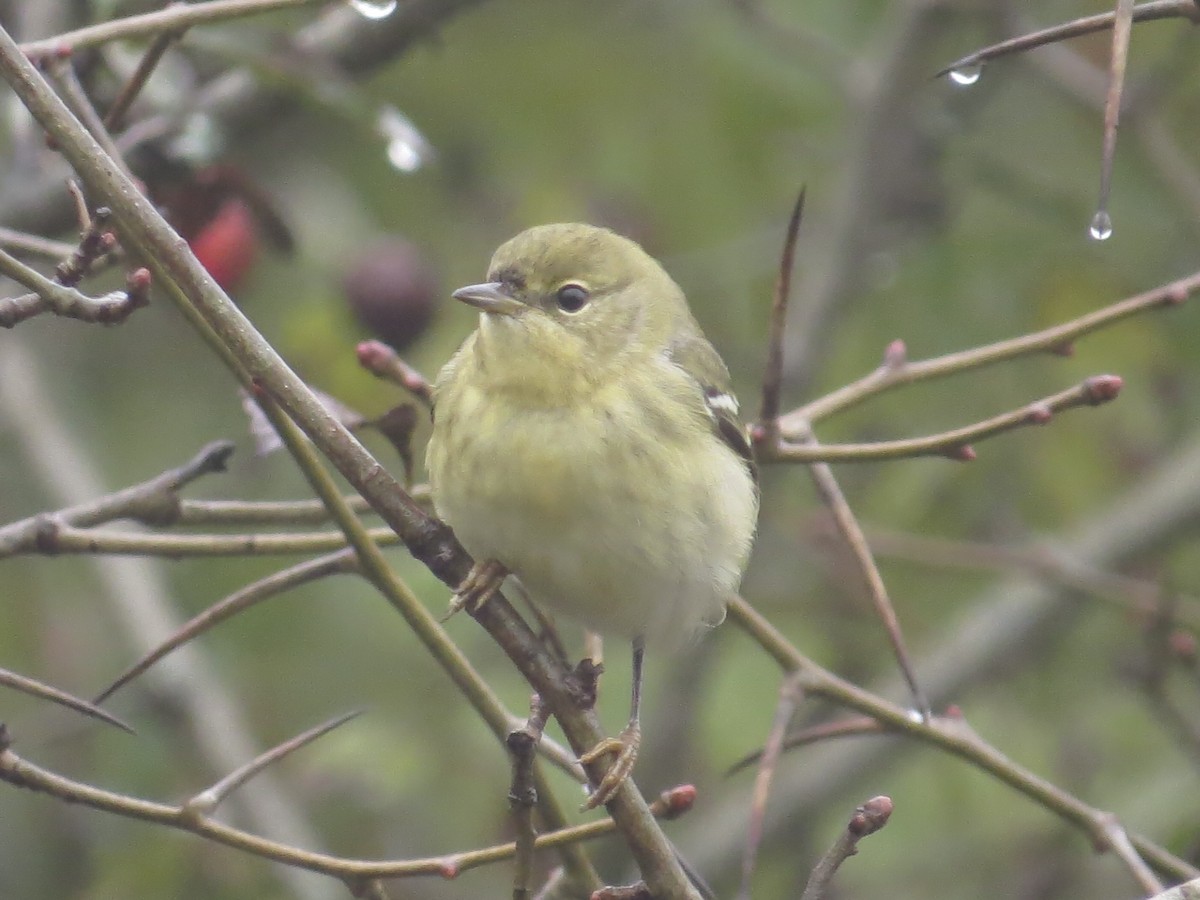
(625, 533)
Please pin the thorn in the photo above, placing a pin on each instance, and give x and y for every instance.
(961, 453)
(1067, 349)
(449, 869)
(953, 711)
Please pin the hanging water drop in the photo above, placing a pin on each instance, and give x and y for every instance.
(407, 148)
(965, 76)
(1101, 228)
(373, 9)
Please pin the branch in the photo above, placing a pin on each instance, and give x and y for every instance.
(954, 444)
(773, 373)
(206, 802)
(867, 819)
(1143, 12)
(1054, 339)
(53, 538)
(154, 502)
(22, 773)
(67, 301)
(62, 698)
(171, 19)
(953, 736)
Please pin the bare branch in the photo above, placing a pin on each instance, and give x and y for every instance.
(867, 819)
(790, 695)
(1142, 12)
(54, 695)
(67, 301)
(22, 773)
(151, 24)
(383, 362)
(206, 802)
(773, 373)
(952, 735)
(342, 562)
(1052, 339)
(955, 444)
(34, 244)
(153, 502)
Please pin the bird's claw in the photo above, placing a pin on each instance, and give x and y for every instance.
(478, 587)
(625, 746)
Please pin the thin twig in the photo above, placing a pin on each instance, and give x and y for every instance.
(855, 727)
(22, 773)
(1143, 12)
(206, 802)
(772, 383)
(867, 819)
(342, 562)
(1055, 338)
(954, 444)
(1101, 227)
(54, 538)
(383, 362)
(172, 18)
(790, 695)
(153, 501)
(851, 531)
(62, 300)
(114, 119)
(79, 103)
(952, 736)
(34, 244)
(44, 691)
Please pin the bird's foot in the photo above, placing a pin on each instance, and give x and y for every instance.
(478, 587)
(625, 746)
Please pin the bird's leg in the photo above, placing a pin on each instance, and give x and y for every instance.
(625, 745)
(478, 587)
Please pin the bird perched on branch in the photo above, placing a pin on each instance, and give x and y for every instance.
(586, 440)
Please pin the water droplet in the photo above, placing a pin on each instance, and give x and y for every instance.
(1101, 228)
(374, 9)
(965, 76)
(407, 148)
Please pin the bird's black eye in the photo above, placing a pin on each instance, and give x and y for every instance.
(571, 297)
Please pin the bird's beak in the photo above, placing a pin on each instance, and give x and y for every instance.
(490, 297)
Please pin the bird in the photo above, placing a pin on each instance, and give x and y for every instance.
(586, 441)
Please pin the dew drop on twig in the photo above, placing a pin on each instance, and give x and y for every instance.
(965, 76)
(373, 9)
(1101, 227)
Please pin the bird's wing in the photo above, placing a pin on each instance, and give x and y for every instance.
(695, 355)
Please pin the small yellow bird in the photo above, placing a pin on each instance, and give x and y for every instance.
(586, 440)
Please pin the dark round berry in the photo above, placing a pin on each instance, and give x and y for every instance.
(393, 291)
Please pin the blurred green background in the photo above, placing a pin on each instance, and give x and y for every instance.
(943, 216)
